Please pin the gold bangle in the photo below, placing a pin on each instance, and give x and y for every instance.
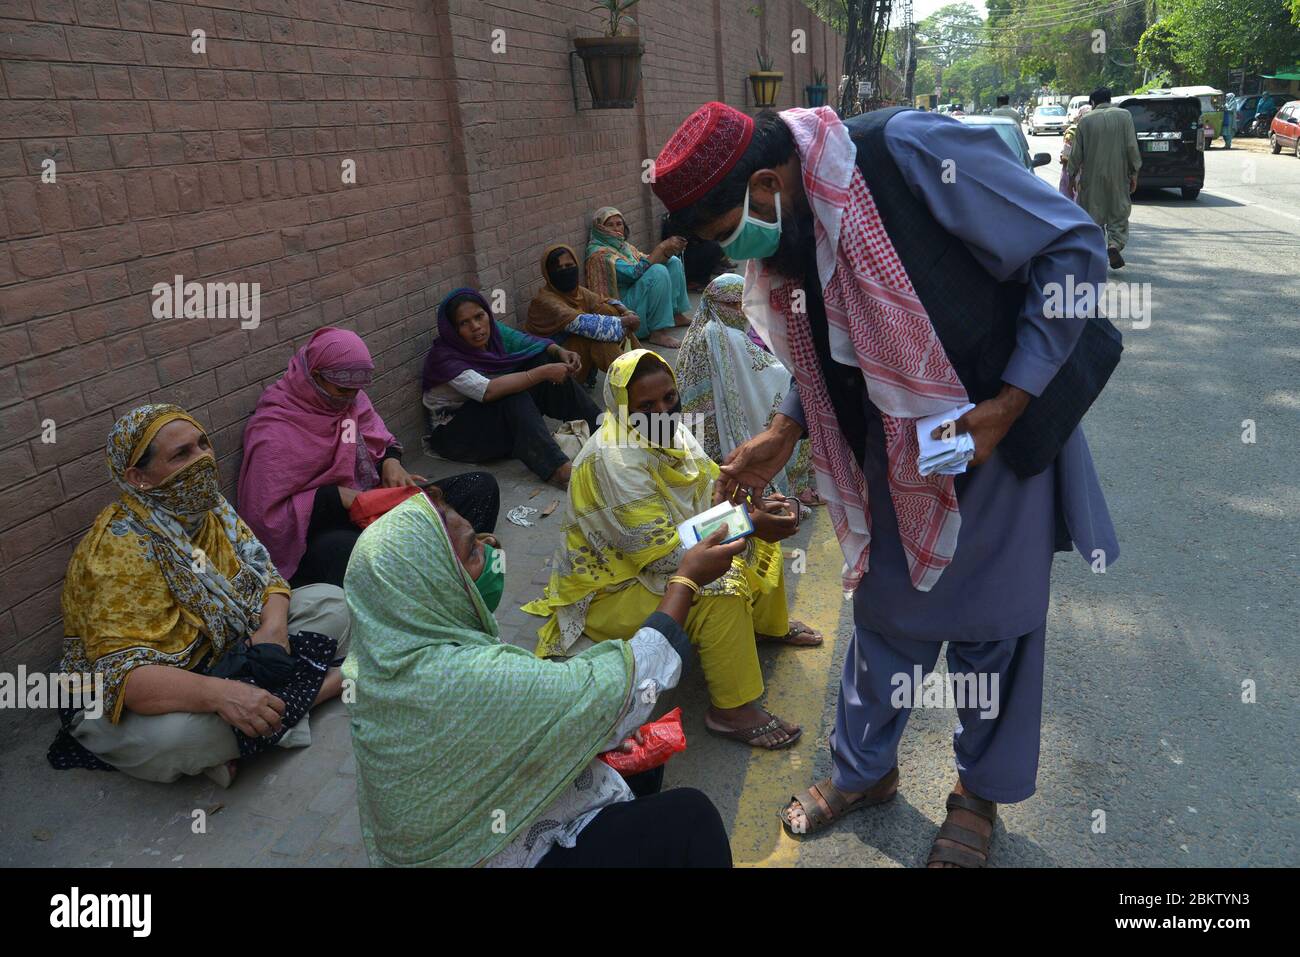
(683, 580)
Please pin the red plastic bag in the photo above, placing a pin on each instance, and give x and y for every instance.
(663, 739)
(368, 506)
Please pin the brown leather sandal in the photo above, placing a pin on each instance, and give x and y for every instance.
(975, 847)
(811, 637)
(881, 792)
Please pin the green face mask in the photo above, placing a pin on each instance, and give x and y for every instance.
(753, 238)
(491, 581)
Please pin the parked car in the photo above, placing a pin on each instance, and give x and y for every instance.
(1171, 140)
(1072, 111)
(1047, 119)
(1285, 131)
(1009, 130)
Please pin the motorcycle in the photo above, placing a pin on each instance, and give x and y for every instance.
(1260, 125)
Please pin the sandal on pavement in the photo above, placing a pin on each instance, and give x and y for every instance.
(811, 637)
(750, 736)
(816, 818)
(973, 849)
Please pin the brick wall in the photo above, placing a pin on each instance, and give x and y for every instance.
(226, 166)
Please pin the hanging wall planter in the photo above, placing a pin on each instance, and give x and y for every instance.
(765, 82)
(613, 68)
(612, 62)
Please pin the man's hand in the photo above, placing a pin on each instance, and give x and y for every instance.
(394, 475)
(775, 518)
(989, 421)
(1132, 184)
(750, 466)
(247, 707)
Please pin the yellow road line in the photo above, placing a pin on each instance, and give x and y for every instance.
(799, 684)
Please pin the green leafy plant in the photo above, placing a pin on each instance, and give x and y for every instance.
(616, 13)
(764, 62)
(819, 78)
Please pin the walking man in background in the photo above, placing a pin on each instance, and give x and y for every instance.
(1106, 151)
(1004, 108)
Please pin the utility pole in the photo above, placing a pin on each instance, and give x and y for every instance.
(909, 64)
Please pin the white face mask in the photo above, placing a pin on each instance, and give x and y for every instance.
(754, 238)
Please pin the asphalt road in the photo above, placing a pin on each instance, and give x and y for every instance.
(1143, 713)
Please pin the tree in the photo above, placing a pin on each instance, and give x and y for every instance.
(1211, 37)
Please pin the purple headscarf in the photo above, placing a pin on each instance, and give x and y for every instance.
(450, 355)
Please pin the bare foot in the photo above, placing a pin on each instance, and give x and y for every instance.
(751, 716)
(560, 477)
(664, 338)
(681, 319)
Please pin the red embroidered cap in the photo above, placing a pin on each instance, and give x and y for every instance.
(702, 151)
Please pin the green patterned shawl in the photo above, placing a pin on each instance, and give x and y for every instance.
(461, 741)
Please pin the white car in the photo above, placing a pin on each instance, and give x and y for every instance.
(1072, 111)
(1047, 119)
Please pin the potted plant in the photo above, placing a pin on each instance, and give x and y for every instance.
(816, 90)
(765, 81)
(612, 62)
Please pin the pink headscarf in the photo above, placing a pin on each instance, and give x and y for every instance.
(296, 441)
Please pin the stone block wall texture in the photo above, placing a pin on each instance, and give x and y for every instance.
(226, 166)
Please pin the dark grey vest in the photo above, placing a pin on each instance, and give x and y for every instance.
(975, 316)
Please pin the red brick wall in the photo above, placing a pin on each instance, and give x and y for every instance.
(225, 166)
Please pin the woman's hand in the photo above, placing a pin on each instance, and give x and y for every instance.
(775, 518)
(247, 707)
(571, 360)
(394, 476)
(631, 322)
(710, 559)
(749, 467)
(553, 372)
(629, 744)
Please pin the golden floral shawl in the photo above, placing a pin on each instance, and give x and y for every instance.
(144, 589)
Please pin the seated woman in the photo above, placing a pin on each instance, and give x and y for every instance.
(312, 444)
(472, 751)
(487, 386)
(653, 286)
(733, 386)
(204, 654)
(627, 496)
(593, 327)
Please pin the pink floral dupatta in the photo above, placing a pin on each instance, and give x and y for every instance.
(877, 323)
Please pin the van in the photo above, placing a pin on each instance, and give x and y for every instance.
(1072, 111)
(1170, 140)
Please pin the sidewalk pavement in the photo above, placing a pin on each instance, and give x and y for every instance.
(285, 808)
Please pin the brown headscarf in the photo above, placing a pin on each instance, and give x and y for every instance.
(552, 310)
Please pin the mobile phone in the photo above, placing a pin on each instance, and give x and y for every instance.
(698, 527)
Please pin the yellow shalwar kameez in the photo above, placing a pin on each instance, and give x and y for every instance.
(626, 499)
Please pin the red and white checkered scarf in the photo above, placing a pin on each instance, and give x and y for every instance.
(877, 322)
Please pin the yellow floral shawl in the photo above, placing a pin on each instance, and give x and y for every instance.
(626, 499)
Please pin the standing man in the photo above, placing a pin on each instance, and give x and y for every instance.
(1106, 149)
(898, 264)
(1004, 108)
